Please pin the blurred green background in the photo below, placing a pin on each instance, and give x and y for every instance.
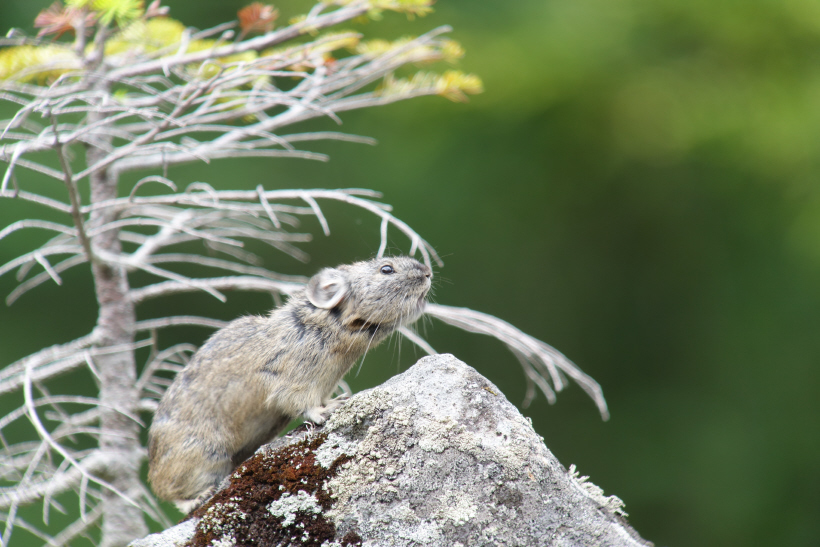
(639, 186)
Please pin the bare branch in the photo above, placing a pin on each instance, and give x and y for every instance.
(73, 197)
(44, 224)
(151, 324)
(148, 137)
(223, 198)
(53, 250)
(23, 524)
(48, 355)
(53, 485)
(218, 283)
(153, 178)
(268, 209)
(18, 151)
(542, 357)
(38, 279)
(317, 211)
(224, 265)
(34, 166)
(78, 527)
(58, 360)
(159, 362)
(47, 267)
(329, 135)
(148, 268)
(41, 430)
(383, 233)
(35, 198)
(418, 340)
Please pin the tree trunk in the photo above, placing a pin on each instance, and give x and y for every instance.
(119, 439)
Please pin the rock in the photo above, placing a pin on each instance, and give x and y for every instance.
(436, 456)
(176, 536)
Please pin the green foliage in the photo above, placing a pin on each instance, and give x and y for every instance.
(149, 36)
(123, 11)
(411, 7)
(141, 35)
(451, 51)
(36, 64)
(453, 85)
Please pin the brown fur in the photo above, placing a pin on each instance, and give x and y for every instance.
(252, 377)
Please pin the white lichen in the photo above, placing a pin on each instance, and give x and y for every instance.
(333, 448)
(614, 504)
(226, 541)
(359, 408)
(457, 508)
(288, 505)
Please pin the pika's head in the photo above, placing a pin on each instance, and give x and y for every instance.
(388, 292)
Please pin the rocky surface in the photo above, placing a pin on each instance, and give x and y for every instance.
(436, 456)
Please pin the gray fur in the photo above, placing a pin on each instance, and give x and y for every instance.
(251, 378)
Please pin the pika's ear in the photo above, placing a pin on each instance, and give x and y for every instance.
(327, 288)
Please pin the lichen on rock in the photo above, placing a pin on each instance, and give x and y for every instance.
(276, 497)
(436, 456)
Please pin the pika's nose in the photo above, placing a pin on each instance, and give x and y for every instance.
(428, 273)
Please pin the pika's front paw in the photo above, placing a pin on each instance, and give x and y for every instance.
(319, 414)
(187, 506)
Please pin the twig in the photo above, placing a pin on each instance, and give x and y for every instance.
(73, 197)
(530, 351)
(219, 283)
(41, 430)
(317, 211)
(418, 340)
(268, 209)
(29, 223)
(78, 527)
(151, 324)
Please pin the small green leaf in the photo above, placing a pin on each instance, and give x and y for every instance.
(124, 11)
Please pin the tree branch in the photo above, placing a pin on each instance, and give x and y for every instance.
(76, 215)
(350, 11)
(529, 350)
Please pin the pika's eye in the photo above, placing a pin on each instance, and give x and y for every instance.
(387, 270)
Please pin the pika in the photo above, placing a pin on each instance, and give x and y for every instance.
(252, 377)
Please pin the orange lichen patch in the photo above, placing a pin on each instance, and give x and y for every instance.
(274, 498)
